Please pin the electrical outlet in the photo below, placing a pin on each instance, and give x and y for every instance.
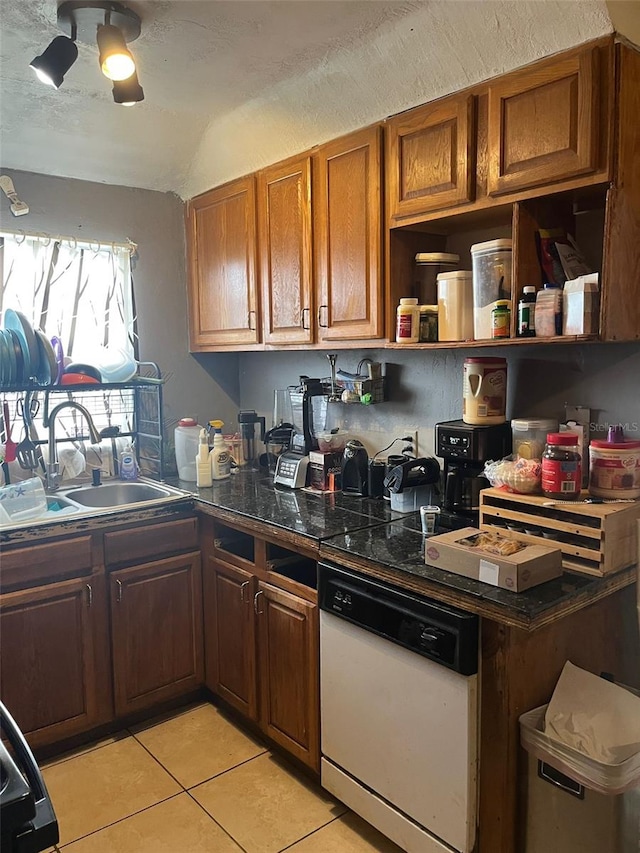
(414, 439)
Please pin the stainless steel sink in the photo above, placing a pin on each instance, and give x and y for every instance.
(118, 494)
(58, 502)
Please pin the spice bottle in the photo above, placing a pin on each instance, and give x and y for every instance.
(561, 467)
(408, 321)
(428, 323)
(527, 313)
(501, 319)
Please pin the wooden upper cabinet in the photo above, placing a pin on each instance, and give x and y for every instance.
(543, 123)
(223, 290)
(284, 230)
(431, 157)
(347, 211)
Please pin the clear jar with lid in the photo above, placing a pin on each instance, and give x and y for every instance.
(428, 323)
(561, 467)
(408, 321)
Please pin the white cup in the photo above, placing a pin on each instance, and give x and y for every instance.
(429, 519)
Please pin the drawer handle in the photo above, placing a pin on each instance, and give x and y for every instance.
(89, 595)
(304, 311)
(119, 593)
(255, 603)
(320, 323)
(242, 589)
(252, 326)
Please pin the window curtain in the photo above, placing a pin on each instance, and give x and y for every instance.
(80, 292)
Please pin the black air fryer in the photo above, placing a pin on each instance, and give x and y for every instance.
(355, 466)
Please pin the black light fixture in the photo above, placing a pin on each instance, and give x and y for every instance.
(57, 59)
(128, 92)
(113, 25)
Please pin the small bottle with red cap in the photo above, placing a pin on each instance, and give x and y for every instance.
(561, 467)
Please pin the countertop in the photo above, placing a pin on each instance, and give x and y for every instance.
(367, 536)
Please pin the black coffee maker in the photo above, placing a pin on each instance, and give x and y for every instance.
(465, 448)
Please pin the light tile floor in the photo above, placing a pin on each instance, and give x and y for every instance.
(196, 783)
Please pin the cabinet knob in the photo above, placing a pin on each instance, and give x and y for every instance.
(324, 325)
(242, 589)
(255, 603)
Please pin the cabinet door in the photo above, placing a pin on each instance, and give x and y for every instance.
(223, 290)
(230, 642)
(284, 228)
(431, 157)
(53, 664)
(347, 209)
(156, 618)
(288, 654)
(543, 123)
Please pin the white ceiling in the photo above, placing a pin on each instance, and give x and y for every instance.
(232, 85)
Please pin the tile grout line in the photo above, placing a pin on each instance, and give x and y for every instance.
(228, 770)
(212, 818)
(313, 832)
(120, 820)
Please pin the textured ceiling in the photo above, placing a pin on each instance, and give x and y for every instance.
(231, 85)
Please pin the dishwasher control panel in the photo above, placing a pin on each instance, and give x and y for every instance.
(442, 633)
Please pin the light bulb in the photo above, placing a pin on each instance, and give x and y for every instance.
(116, 61)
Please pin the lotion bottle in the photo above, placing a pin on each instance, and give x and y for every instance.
(220, 456)
(203, 463)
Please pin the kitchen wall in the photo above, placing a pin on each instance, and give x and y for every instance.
(426, 387)
(198, 386)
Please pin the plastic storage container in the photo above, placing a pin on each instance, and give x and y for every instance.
(529, 436)
(484, 394)
(573, 803)
(22, 501)
(187, 440)
(614, 469)
(455, 305)
(491, 264)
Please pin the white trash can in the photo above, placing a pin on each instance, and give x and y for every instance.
(572, 803)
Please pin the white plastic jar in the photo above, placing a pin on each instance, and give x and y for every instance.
(614, 469)
(187, 438)
(484, 395)
(408, 321)
(455, 305)
(491, 264)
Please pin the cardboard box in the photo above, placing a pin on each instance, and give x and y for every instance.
(530, 566)
(325, 470)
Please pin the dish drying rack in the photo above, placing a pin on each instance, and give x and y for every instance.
(360, 387)
(130, 410)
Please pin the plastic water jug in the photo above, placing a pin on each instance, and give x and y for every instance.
(187, 435)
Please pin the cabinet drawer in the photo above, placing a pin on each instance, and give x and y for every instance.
(25, 567)
(136, 545)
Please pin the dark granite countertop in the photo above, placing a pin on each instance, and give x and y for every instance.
(368, 536)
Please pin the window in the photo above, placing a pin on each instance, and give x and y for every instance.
(80, 292)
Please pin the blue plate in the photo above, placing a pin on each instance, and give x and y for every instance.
(4, 360)
(18, 323)
(16, 356)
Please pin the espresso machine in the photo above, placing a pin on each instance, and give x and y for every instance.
(465, 448)
(291, 468)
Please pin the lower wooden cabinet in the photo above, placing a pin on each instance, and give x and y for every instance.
(262, 656)
(156, 618)
(54, 665)
(288, 655)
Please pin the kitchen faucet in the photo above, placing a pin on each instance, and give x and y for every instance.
(53, 468)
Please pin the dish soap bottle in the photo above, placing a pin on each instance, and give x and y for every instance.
(203, 463)
(128, 464)
(220, 456)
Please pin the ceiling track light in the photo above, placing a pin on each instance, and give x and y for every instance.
(112, 25)
(128, 92)
(57, 59)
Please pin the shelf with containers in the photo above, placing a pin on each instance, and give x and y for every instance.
(579, 212)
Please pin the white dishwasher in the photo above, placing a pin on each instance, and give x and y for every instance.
(399, 710)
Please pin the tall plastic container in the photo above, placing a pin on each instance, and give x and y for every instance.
(455, 305)
(491, 264)
(187, 439)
